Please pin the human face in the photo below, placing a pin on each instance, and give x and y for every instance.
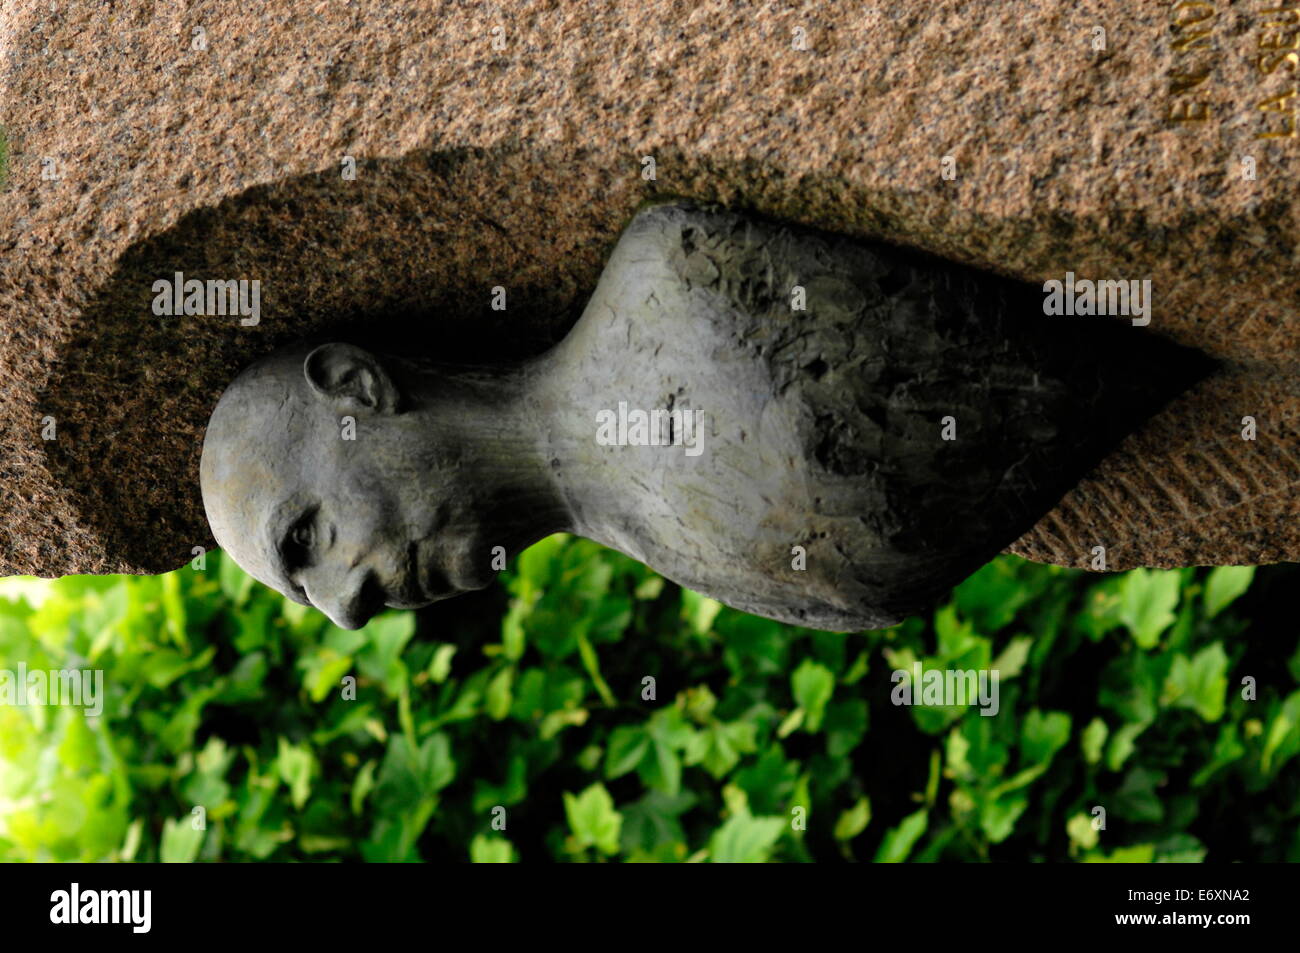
(348, 518)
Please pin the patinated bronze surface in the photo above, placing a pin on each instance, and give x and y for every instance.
(809, 428)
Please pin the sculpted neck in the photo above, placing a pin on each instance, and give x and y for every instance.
(482, 435)
(522, 439)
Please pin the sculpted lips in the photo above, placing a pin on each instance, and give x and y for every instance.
(407, 590)
(421, 584)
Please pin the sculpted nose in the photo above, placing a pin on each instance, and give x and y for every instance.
(349, 598)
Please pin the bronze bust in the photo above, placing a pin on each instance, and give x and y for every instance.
(810, 428)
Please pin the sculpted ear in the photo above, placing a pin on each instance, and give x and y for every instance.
(351, 377)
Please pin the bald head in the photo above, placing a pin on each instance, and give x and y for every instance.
(252, 453)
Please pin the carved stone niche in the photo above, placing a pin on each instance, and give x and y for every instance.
(1170, 156)
(816, 429)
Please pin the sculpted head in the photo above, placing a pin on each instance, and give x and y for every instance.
(335, 477)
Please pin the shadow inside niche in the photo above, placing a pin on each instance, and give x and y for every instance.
(410, 251)
(411, 248)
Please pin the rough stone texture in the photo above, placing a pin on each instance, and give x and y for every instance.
(518, 167)
(1188, 489)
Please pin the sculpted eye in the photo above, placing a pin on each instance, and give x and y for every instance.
(299, 542)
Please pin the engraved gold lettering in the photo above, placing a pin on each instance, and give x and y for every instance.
(1180, 83)
(1281, 41)
(1277, 59)
(1193, 46)
(1190, 111)
(1199, 11)
(1277, 38)
(1292, 12)
(1188, 42)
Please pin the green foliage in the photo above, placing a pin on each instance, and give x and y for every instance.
(587, 710)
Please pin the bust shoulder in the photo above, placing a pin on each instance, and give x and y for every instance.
(895, 419)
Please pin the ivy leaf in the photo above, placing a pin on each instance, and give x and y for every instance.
(593, 820)
(661, 769)
(652, 822)
(853, 821)
(1224, 585)
(362, 785)
(1180, 849)
(993, 595)
(753, 647)
(408, 775)
(813, 685)
(998, 817)
(1123, 743)
(386, 636)
(1147, 601)
(1227, 749)
(1199, 683)
(180, 841)
(296, 764)
(1137, 854)
(1129, 686)
(745, 839)
(1137, 800)
(669, 733)
(956, 637)
(1093, 741)
(1083, 835)
(440, 665)
(491, 850)
(899, 840)
(1283, 736)
(669, 728)
(699, 611)
(1043, 734)
(498, 698)
(1011, 660)
(323, 672)
(846, 725)
(719, 747)
(768, 780)
(628, 745)
(437, 769)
